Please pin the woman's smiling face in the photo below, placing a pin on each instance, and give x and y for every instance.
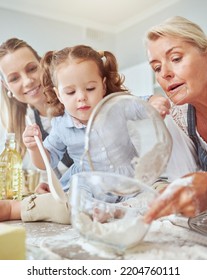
(21, 75)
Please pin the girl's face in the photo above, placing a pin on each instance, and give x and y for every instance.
(80, 88)
(21, 73)
(180, 68)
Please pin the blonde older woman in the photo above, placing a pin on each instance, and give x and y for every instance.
(177, 53)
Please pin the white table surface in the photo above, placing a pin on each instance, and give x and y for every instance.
(165, 240)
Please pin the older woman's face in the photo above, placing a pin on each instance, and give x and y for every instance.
(180, 68)
(21, 73)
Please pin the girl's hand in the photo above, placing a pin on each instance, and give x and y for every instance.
(187, 196)
(161, 104)
(28, 136)
(42, 188)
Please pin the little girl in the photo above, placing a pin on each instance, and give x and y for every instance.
(75, 80)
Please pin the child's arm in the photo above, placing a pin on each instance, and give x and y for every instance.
(29, 141)
(10, 210)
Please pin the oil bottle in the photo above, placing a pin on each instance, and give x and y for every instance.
(11, 173)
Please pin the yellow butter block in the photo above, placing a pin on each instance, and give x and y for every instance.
(12, 242)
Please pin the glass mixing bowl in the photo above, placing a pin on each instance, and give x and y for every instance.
(127, 147)
(109, 208)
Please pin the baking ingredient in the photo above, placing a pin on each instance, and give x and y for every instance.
(12, 242)
(120, 234)
(11, 173)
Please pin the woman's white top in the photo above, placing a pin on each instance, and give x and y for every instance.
(184, 158)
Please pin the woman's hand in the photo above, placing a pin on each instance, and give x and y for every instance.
(187, 196)
(161, 104)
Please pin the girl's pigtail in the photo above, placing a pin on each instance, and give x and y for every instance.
(114, 80)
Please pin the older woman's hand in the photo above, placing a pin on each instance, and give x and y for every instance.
(161, 104)
(187, 196)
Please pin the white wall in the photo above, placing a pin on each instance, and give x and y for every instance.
(139, 79)
(46, 34)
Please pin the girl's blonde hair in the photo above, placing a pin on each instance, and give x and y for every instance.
(105, 61)
(179, 27)
(13, 111)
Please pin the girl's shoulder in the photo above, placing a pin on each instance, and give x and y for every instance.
(62, 121)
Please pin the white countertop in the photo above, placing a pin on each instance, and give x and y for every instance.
(164, 241)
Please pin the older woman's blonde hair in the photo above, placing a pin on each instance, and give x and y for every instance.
(179, 27)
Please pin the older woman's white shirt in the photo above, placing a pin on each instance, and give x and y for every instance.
(183, 158)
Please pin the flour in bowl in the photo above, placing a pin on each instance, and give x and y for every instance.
(120, 233)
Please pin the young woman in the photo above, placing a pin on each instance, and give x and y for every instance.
(22, 94)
